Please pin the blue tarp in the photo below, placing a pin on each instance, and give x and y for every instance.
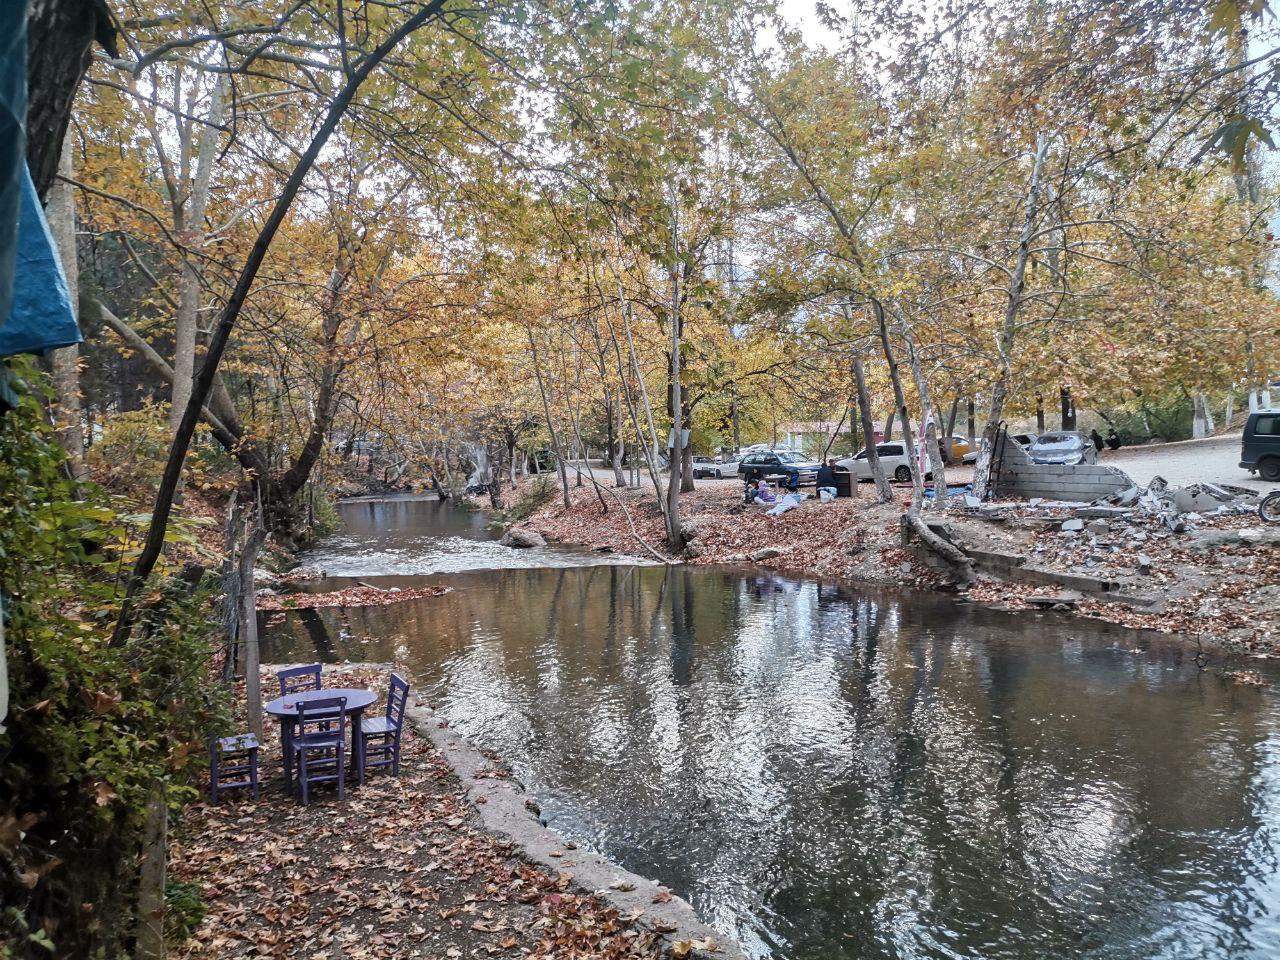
(41, 317)
(13, 115)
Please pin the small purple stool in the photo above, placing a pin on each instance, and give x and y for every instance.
(233, 764)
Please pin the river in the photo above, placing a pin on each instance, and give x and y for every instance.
(833, 771)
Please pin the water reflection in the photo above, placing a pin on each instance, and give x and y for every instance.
(837, 773)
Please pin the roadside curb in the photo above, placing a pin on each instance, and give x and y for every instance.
(505, 809)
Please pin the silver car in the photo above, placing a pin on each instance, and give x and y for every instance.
(1064, 447)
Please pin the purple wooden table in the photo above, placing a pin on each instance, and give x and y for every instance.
(285, 710)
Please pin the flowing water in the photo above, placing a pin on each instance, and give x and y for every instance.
(841, 772)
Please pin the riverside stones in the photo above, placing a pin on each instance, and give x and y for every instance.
(522, 538)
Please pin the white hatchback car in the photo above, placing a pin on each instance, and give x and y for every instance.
(893, 459)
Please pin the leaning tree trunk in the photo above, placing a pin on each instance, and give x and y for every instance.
(883, 491)
(153, 544)
(900, 398)
(551, 424)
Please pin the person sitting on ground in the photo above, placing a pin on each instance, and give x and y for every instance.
(1113, 439)
(764, 493)
(1096, 437)
(827, 480)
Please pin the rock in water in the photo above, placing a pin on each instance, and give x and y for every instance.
(522, 538)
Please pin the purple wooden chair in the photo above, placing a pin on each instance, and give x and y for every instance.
(381, 747)
(297, 679)
(319, 744)
(233, 764)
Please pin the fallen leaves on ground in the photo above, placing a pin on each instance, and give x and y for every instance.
(400, 868)
(351, 597)
(1224, 596)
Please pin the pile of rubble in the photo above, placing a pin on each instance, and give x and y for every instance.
(1117, 537)
(1180, 508)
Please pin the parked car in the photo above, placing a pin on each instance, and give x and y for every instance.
(1260, 444)
(962, 451)
(959, 446)
(704, 467)
(787, 468)
(893, 460)
(765, 448)
(1067, 447)
(727, 469)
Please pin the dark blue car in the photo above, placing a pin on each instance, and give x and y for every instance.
(786, 468)
(1260, 445)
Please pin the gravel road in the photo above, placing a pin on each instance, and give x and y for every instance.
(1213, 460)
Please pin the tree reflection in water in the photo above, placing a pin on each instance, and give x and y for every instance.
(836, 772)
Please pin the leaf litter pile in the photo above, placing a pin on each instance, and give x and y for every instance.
(362, 596)
(398, 869)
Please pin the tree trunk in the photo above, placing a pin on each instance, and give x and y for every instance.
(951, 419)
(686, 452)
(495, 476)
(1039, 413)
(551, 425)
(189, 225)
(326, 406)
(254, 534)
(65, 361)
(888, 426)
(59, 36)
(675, 537)
(1013, 306)
(151, 881)
(617, 450)
(733, 413)
(908, 441)
(884, 492)
(971, 412)
(1201, 416)
(651, 447)
(930, 439)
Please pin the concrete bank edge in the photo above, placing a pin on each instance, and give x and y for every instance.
(501, 806)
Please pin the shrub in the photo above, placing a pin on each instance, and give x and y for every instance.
(93, 729)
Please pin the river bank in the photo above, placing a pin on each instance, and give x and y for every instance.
(1216, 583)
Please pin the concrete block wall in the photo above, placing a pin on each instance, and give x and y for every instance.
(1019, 477)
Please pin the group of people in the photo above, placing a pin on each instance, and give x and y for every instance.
(763, 493)
(1112, 441)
